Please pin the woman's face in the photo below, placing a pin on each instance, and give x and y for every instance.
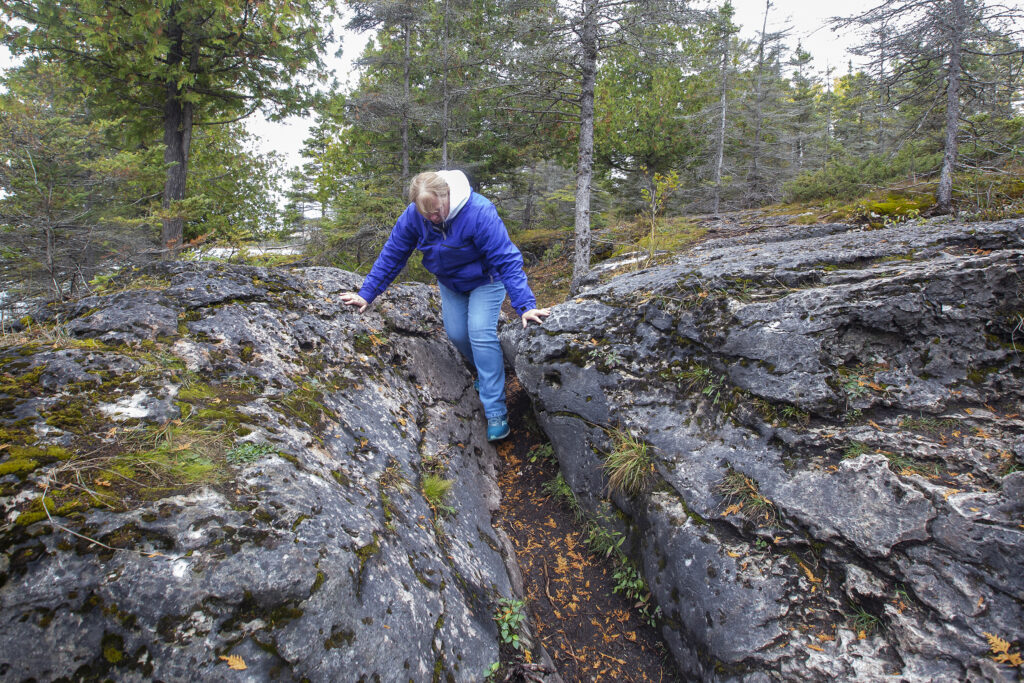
(436, 209)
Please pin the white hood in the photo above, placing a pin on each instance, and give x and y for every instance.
(458, 191)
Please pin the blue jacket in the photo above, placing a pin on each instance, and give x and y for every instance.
(472, 248)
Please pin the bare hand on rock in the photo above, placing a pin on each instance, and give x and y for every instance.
(353, 299)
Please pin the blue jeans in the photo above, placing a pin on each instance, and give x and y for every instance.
(471, 321)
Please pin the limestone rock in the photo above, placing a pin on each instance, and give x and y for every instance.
(232, 461)
(834, 418)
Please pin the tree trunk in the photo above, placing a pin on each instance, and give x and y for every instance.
(445, 96)
(177, 140)
(585, 157)
(754, 179)
(405, 105)
(944, 195)
(720, 142)
(528, 205)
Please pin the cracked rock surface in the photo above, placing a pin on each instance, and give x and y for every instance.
(834, 417)
(225, 461)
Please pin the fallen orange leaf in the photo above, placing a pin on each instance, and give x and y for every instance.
(235, 662)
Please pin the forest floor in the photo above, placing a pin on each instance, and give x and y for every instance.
(591, 633)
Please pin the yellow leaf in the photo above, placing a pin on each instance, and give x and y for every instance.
(810, 576)
(825, 636)
(1012, 660)
(815, 647)
(861, 635)
(968, 411)
(732, 509)
(732, 554)
(996, 644)
(235, 662)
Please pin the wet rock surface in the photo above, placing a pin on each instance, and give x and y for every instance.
(835, 421)
(229, 463)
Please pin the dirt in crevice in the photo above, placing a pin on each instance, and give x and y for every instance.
(591, 633)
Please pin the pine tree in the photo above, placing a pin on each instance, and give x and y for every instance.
(931, 46)
(177, 64)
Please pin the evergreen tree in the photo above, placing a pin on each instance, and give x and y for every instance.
(934, 49)
(176, 64)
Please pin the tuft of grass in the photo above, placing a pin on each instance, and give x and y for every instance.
(863, 621)
(742, 493)
(704, 381)
(629, 466)
(855, 449)
(929, 425)
(435, 491)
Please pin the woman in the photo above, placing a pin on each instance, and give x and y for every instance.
(465, 244)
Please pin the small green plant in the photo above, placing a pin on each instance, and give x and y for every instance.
(510, 617)
(629, 466)
(793, 414)
(605, 356)
(761, 544)
(248, 452)
(492, 671)
(703, 380)
(629, 583)
(543, 452)
(661, 188)
(603, 541)
(559, 489)
(854, 388)
(436, 490)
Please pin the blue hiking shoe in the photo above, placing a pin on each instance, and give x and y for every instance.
(497, 428)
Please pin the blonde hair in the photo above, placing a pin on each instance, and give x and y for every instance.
(427, 184)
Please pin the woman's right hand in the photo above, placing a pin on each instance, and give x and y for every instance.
(353, 299)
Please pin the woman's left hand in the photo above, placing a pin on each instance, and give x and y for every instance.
(537, 315)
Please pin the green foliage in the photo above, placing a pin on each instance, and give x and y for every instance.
(543, 452)
(604, 541)
(703, 380)
(435, 491)
(167, 68)
(559, 489)
(855, 449)
(853, 177)
(655, 195)
(628, 466)
(863, 621)
(629, 583)
(509, 617)
(247, 452)
(67, 196)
